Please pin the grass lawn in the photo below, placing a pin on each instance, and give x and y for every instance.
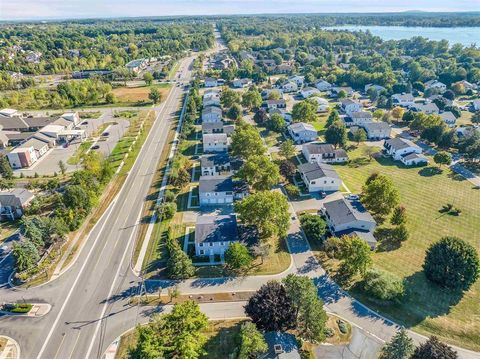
(80, 151)
(465, 118)
(7, 229)
(126, 96)
(320, 123)
(427, 308)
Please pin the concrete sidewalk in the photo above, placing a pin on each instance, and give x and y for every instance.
(10, 350)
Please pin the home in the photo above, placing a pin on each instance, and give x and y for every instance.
(435, 85)
(13, 202)
(323, 85)
(289, 86)
(349, 106)
(335, 91)
(448, 117)
(378, 88)
(414, 159)
(274, 104)
(322, 104)
(215, 142)
(22, 157)
(323, 153)
(476, 105)
(302, 132)
(212, 127)
(241, 83)
(398, 147)
(267, 93)
(73, 117)
(319, 177)
(214, 234)
(349, 217)
(286, 115)
(137, 65)
(228, 129)
(428, 108)
(215, 190)
(299, 80)
(358, 118)
(466, 85)
(281, 346)
(215, 164)
(306, 92)
(403, 100)
(210, 82)
(377, 130)
(211, 114)
(211, 99)
(284, 69)
(40, 147)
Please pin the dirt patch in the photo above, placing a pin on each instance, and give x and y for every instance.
(138, 94)
(198, 298)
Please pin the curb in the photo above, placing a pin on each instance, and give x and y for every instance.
(15, 344)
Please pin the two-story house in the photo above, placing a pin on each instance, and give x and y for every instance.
(405, 151)
(403, 100)
(319, 177)
(215, 190)
(358, 118)
(302, 132)
(215, 164)
(13, 202)
(215, 142)
(349, 106)
(211, 114)
(377, 130)
(323, 153)
(214, 234)
(306, 92)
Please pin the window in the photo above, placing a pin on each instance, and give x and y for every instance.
(325, 182)
(202, 252)
(222, 244)
(200, 244)
(211, 244)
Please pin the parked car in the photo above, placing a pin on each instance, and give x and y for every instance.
(353, 197)
(85, 123)
(95, 147)
(106, 134)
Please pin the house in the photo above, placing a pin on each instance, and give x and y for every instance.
(73, 117)
(212, 127)
(378, 88)
(283, 69)
(428, 108)
(414, 159)
(322, 103)
(137, 65)
(215, 164)
(211, 114)
(299, 80)
(377, 130)
(302, 132)
(306, 92)
(403, 100)
(8, 112)
(435, 85)
(215, 142)
(267, 92)
(448, 117)
(210, 82)
(349, 106)
(398, 147)
(476, 105)
(215, 190)
(22, 157)
(323, 85)
(349, 217)
(40, 147)
(214, 234)
(289, 86)
(359, 118)
(274, 104)
(466, 85)
(319, 177)
(281, 346)
(228, 129)
(211, 99)
(323, 153)
(335, 91)
(241, 83)
(13, 202)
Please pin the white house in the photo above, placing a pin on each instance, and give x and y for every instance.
(215, 142)
(323, 85)
(349, 217)
(13, 202)
(398, 147)
(306, 92)
(335, 91)
(377, 130)
(211, 99)
(299, 80)
(274, 104)
(211, 114)
(428, 108)
(349, 106)
(241, 83)
(214, 234)
(435, 85)
(215, 190)
(414, 159)
(323, 153)
(322, 103)
(403, 100)
(302, 132)
(212, 127)
(448, 117)
(22, 157)
(319, 177)
(358, 118)
(215, 164)
(211, 82)
(286, 115)
(289, 86)
(476, 105)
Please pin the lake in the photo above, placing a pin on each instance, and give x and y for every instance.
(463, 35)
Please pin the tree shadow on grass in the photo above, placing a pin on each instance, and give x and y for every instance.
(387, 240)
(456, 176)
(430, 171)
(224, 343)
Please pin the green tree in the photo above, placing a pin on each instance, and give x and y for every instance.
(383, 285)
(75, 197)
(310, 315)
(235, 112)
(252, 99)
(287, 168)
(434, 349)
(380, 196)
(401, 346)
(5, 168)
(155, 96)
(229, 97)
(452, 263)
(251, 342)
(260, 172)
(276, 123)
(268, 211)
(110, 98)
(179, 334)
(355, 255)
(62, 167)
(304, 111)
(442, 158)
(332, 117)
(148, 78)
(246, 141)
(314, 227)
(336, 134)
(399, 216)
(287, 149)
(179, 264)
(25, 254)
(6, 184)
(237, 256)
(360, 136)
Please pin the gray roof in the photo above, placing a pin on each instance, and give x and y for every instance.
(412, 156)
(313, 171)
(399, 143)
(212, 137)
(427, 107)
(16, 197)
(212, 109)
(35, 143)
(286, 341)
(275, 102)
(367, 236)
(347, 101)
(221, 228)
(212, 126)
(361, 114)
(10, 123)
(448, 116)
(301, 126)
(39, 121)
(404, 97)
(219, 159)
(343, 211)
(375, 126)
(319, 148)
(215, 184)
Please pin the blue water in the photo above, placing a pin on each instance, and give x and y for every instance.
(463, 35)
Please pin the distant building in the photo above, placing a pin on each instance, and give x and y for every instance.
(349, 106)
(403, 100)
(211, 82)
(428, 108)
(241, 83)
(448, 117)
(137, 65)
(274, 104)
(306, 92)
(323, 85)
(435, 85)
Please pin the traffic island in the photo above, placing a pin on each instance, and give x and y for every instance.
(25, 309)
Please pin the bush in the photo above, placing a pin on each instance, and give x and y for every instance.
(292, 190)
(383, 285)
(314, 226)
(168, 210)
(21, 308)
(169, 196)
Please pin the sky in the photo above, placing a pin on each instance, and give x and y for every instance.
(55, 9)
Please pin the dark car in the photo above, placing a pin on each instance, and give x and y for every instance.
(85, 123)
(95, 147)
(106, 134)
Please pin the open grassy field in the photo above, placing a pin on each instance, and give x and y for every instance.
(134, 95)
(427, 308)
